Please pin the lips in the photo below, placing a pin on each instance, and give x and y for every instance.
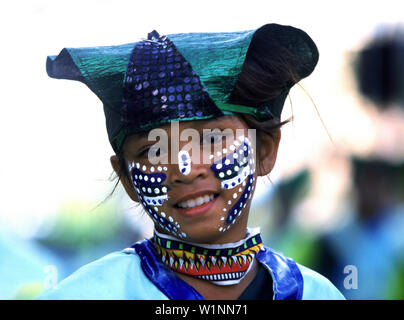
(196, 203)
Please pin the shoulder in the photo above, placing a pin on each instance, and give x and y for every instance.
(118, 275)
(294, 281)
(318, 287)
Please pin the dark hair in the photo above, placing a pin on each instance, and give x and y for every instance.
(261, 80)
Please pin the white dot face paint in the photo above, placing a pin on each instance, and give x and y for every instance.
(235, 170)
(152, 194)
(184, 162)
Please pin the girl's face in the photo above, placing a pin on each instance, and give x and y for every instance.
(197, 180)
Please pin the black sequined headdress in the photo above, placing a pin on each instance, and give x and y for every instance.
(177, 77)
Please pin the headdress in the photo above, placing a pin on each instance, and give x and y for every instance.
(187, 76)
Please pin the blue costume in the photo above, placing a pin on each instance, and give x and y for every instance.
(137, 273)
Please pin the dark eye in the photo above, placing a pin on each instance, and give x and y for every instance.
(152, 151)
(212, 138)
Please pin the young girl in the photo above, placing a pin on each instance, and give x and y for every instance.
(226, 92)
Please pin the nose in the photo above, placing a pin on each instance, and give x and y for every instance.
(187, 169)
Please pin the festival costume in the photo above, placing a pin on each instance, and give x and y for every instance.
(138, 273)
(185, 77)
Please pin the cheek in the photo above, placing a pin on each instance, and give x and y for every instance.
(236, 174)
(152, 192)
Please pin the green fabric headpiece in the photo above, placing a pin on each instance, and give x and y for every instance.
(180, 77)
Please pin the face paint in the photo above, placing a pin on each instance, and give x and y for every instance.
(152, 193)
(184, 162)
(235, 169)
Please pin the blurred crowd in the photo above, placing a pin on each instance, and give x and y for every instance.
(361, 250)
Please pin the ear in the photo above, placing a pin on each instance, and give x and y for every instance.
(125, 180)
(267, 152)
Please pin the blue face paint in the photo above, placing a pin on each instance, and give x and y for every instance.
(236, 210)
(234, 169)
(184, 162)
(150, 186)
(152, 193)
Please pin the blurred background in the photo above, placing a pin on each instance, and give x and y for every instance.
(334, 202)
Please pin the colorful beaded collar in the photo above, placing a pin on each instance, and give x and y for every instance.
(224, 264)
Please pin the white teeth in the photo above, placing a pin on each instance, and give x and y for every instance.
(200, 200)
(191, 203)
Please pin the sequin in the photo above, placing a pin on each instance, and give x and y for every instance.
(156, 78)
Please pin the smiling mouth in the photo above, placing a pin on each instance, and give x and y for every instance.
(196, 202)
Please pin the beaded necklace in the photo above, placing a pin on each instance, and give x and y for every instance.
(224, 264)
